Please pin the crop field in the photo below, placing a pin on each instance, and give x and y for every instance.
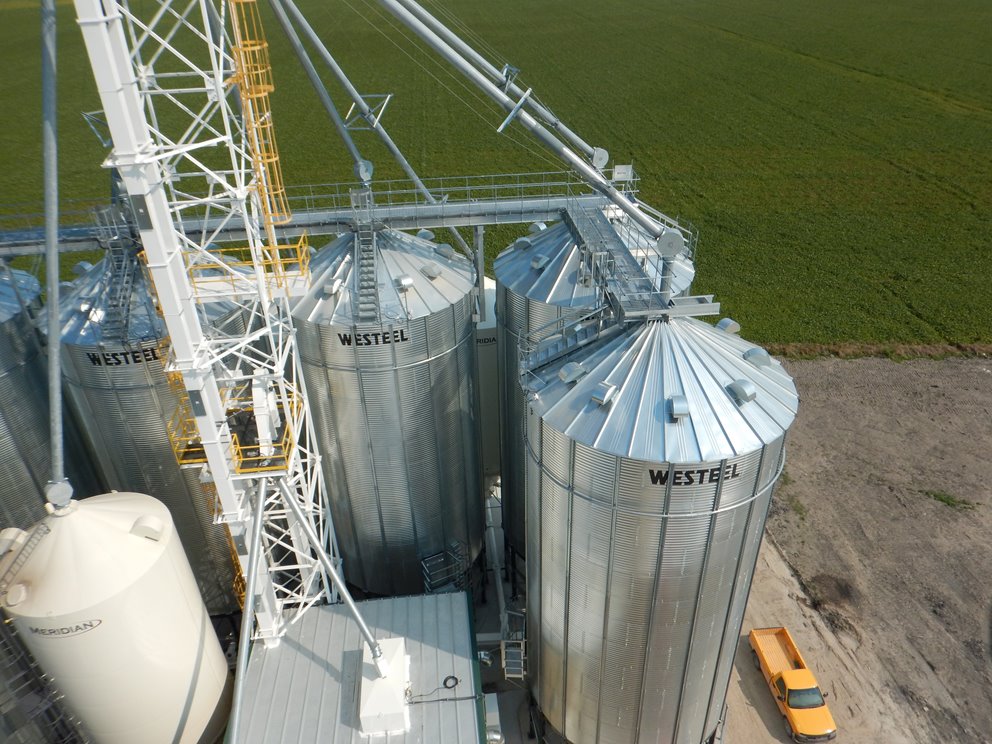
(836, 156)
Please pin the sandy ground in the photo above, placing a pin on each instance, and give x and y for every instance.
(879, 557)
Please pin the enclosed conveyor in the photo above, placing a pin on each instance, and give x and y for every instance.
(651, 454)
(114, 349)
(386, 343)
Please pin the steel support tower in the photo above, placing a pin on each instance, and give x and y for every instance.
(185, 89)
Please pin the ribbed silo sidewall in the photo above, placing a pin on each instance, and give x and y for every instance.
(394, 423)
(644, 572)
(24, 446)
(772, 463)
(516, 317)
(122, 403)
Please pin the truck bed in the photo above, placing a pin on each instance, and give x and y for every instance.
(777, 649)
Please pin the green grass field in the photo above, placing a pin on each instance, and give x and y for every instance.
(836, 157)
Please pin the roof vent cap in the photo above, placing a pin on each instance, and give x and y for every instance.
(332, 288)
(425, 234)
(444, 250)
(522, 243)
(431, 270)
(539, 262)
(758, 357)
(571, 372)
(742, 391)
(729, 325)
(536, 227)
(604, 393)
(404, 282)
(678, 406)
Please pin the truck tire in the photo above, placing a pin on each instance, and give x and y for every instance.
(755, 660)
(788, 731)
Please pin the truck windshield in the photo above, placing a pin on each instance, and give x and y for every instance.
(809, 698)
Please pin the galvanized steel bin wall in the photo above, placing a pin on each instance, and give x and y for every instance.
(536, 284)
(25, 457)
(118, 390)
(639, 567)
(393, 406)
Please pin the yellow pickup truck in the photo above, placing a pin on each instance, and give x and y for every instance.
(799, 700)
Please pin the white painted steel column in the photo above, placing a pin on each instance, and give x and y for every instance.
(135, 158)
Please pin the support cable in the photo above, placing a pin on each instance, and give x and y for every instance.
(500, 77)
(363, 107)
(480, 101)
(362, 169)
(592, 176)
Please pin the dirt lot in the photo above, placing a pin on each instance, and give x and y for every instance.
(884, 521)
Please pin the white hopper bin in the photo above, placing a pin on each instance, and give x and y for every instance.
(106, 602)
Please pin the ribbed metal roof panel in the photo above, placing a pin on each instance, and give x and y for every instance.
(436, 280)
(18, 290)
(556, 281)
(544, 266)
(306, 689)
(649, 364)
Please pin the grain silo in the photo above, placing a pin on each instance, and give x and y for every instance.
(25, 461)
(103, 596)
(652, 453)
(388, 360)
(114, 348)
(547, 277)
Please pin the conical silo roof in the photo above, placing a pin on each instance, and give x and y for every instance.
(415, 278)
(676, 391)
(18, 290)
(85, 309)
(545, 266)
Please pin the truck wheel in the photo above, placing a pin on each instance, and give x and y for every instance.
(755, 660)
(788, 730)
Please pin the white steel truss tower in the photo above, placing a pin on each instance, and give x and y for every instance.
(187, 104)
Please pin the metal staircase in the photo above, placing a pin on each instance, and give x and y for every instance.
(446, 571)
(513, 648)
(368, 290)
(120, 246)
(561, 337)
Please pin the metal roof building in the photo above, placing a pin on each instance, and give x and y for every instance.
(307, 688)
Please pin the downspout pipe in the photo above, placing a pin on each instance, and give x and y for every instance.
(248, 616)
(328, 565)
(592, 176)
(364, 109)
(362, 168)
(58, 490)
(497, 76)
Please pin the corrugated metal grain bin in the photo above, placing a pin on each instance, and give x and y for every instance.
(652, 454)
(540, 279)
(113, 365)
(393, 404)
(25, 458)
